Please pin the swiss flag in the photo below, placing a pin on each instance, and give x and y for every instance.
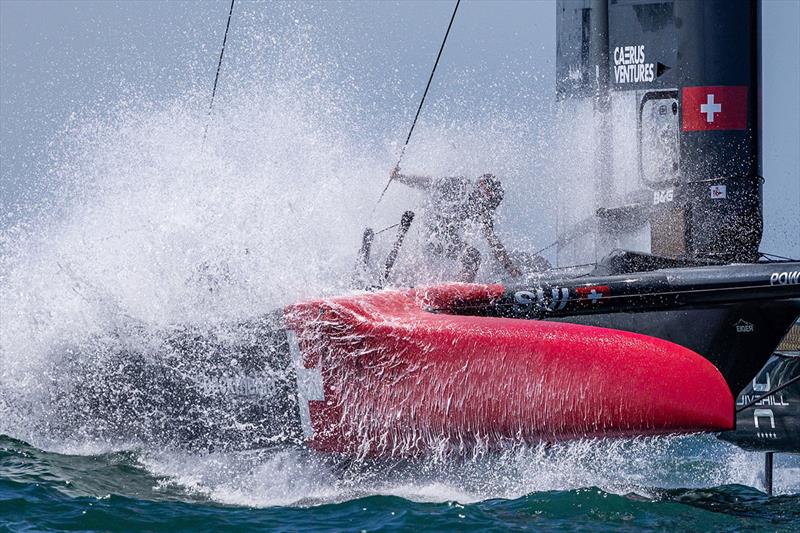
(720, 107)
(593, 293)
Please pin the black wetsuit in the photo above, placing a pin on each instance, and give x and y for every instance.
(452, 203)
(452, 206)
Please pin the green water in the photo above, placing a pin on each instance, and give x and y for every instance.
(121, 491)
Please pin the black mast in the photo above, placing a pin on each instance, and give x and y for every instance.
(719, 48)
(685, 77)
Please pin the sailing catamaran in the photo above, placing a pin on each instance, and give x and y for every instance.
(653, 339)
(657, 337)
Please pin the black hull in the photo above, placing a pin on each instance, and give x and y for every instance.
(733, 315)
(235, 385)
(770, 424)
(717, 333)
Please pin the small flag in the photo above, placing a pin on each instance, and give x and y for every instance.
(593, 293)
(718, 107)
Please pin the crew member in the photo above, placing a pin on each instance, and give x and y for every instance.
(455, 201)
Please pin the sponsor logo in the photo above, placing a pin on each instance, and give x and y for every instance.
(718, 192)
(766, 435)
(524, 297)
(764, 413)
(773, 400)
(663, 197)
(556, 299)
(743, 326)
(785, 278)
(630, 66)
(240, 386)
(593, 293)
(761, 387)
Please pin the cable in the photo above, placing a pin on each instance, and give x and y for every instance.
(421, 103)
(387, 228)
(216, 78)
(771, 257)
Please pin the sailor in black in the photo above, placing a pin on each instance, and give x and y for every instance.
(455, 201)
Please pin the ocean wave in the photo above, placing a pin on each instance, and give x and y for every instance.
(47, 491)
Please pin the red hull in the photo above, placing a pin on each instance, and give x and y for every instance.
(397, 378)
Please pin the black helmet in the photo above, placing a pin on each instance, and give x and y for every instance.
(491, 190)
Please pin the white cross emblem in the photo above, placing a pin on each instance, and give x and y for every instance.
(710, 107)
(309, 384)
(594, 296)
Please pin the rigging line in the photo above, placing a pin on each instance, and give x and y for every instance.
(548, 247)
(387, 228)
(767, 395)
(421, 103)
(216, 78)
(767, 255)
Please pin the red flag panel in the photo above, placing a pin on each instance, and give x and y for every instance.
(717, 107)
